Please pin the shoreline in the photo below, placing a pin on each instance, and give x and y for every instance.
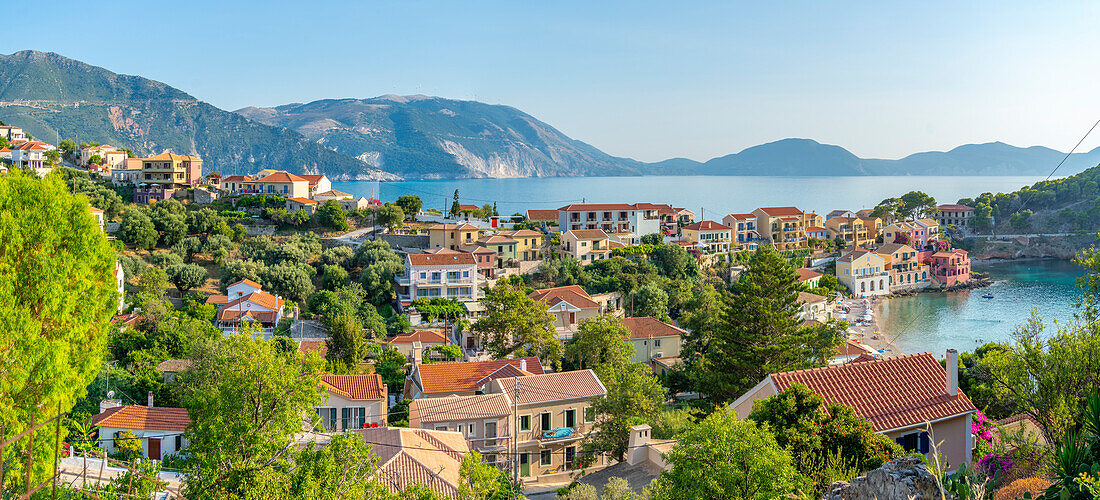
(869, 335)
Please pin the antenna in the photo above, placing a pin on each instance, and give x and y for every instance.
(110, 394)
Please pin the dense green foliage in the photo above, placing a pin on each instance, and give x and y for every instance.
(515, 324)
(57, 296)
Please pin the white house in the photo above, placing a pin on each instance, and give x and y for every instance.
(447, 275)
(353, 402)
(159, 429)
(247, 302)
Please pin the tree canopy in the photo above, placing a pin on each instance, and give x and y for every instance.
(515, 324)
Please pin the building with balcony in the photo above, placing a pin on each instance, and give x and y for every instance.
(743, 227)
(163, 175)
(863, 272)
(655, 342)
(639, 219)
(109, 156)
(436, 380)
(452, 236)
(446, 275)
(408, 457)
(483, 419)
(246, 302)
(916, 233)
(954, 215)
(783, 227)
(952, 267)
(904, 266)
(30, 154)
(486, 259)
(713, 237)
(12, 133)
(849, 229)
(528, 243)
(503, 246)
(587, 245)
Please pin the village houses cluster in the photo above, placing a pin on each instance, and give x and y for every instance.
(518, 413)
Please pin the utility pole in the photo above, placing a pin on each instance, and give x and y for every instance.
(515, 431)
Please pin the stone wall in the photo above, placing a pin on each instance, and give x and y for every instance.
(899, 479)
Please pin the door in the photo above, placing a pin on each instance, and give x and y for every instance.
(490, 434)
(524, 464)
(154, 448)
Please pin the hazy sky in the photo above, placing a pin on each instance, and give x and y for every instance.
(648, 80)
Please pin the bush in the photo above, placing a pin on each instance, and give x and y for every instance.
(1017, 488)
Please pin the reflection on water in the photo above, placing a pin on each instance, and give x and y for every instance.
(934, 322)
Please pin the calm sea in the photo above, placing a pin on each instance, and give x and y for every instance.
(934, 322)
(710, 197)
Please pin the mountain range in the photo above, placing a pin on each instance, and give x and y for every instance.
(413, 137)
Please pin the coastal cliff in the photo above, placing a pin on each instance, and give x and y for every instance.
(1027, 247)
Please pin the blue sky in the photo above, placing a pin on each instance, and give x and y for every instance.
(648, 80)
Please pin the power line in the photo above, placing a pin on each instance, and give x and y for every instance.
(1064, 158)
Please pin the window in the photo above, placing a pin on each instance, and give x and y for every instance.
(328, 418)
(353, 418)
(525, 422)
(570, 456)
(656, 342)
(441, 427)
(589, 414)
(544, 422)
(545, 458)
(423, 275)
(915, 441)
(179, 442)
(571, 418)
(472, 430)
(465, 274)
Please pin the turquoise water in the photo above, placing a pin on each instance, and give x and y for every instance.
(934, 322)
(712, 197)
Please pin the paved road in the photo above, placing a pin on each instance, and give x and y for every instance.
(356, 237)
(1008, 236)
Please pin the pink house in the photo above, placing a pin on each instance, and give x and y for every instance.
(951, 267)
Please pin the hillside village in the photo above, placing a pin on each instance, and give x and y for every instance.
(559, 353)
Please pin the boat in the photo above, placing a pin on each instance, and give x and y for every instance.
(987, 296)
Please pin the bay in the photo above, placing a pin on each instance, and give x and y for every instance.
(933, 322)
(710, 197)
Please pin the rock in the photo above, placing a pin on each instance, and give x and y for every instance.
(900, 479)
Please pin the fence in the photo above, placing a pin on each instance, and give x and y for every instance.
(7, 444)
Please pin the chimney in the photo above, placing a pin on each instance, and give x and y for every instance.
(418, 350)
(952, 372)
(149, 397)
(523, 364)
(106, 404)
(636, 447)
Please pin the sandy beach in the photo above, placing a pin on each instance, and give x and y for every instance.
(867, 333)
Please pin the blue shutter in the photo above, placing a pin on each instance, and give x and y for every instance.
(924, 441)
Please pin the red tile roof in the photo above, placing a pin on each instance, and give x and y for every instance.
(236, 178)
(553, 387)
(281, 177)
(247, 282)
(954, 208)
(422, 336)
(236, 316)
(167, 156)
(572, 294)
(144, 418)
(589, 234)
(781, 211)
(260, 298)
(451, 408)
(318, 346)
(452, 227)
(546, 215)
(497, 239)
(648, 327)
(595, 207)
(355, 387)
(892, 393)
(805, 274)
(706, 225)
(413, 456)
(455, 259)
(304, 201)
(450, 378)
(313, 179)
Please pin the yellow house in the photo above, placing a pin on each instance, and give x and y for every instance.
(528, 243)
(587, 245)
(452, 236)
(850, 229)
(785, 227)
(863, 272)
(655, 343)
(715, 237)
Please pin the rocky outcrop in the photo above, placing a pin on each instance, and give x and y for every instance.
(1028, 247)
(904, 478)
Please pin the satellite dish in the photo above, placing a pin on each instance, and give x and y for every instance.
(110, 394)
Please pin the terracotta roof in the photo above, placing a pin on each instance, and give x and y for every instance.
(649, 327)
(477, 249)
(450, 378)
(247, 282)
(451, 408)
(236, 316)
(496, 239)
(313, 179)
(282, 177)
(854, 254)
(853, 348)
(129, 319)
(595, 207)
(455, 259)
(890, 248)
(522, 233)
(706, 225)
(572, 294)
(304, 201)
(815, 228)
(318, 346)
(94, 210)
(217, 299)
(439, 250)
(355, 387)
(542, 215)
(411, 456)
(588, 234)
(143, 417)
(174, 365)
(805, 274)
(452, 227)
(260, 298)
(892, 393)
(166, 156)
(863, 357)
(954, 208)
(781, 211)
(741, 216)
(422, 336)
(236, 178)
(809, 298)
(333, 192)
(556, 386)
(463, 207)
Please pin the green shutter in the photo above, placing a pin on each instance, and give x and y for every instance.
(344, 419)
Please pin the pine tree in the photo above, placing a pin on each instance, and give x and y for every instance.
(762, 333)
(456, 208)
